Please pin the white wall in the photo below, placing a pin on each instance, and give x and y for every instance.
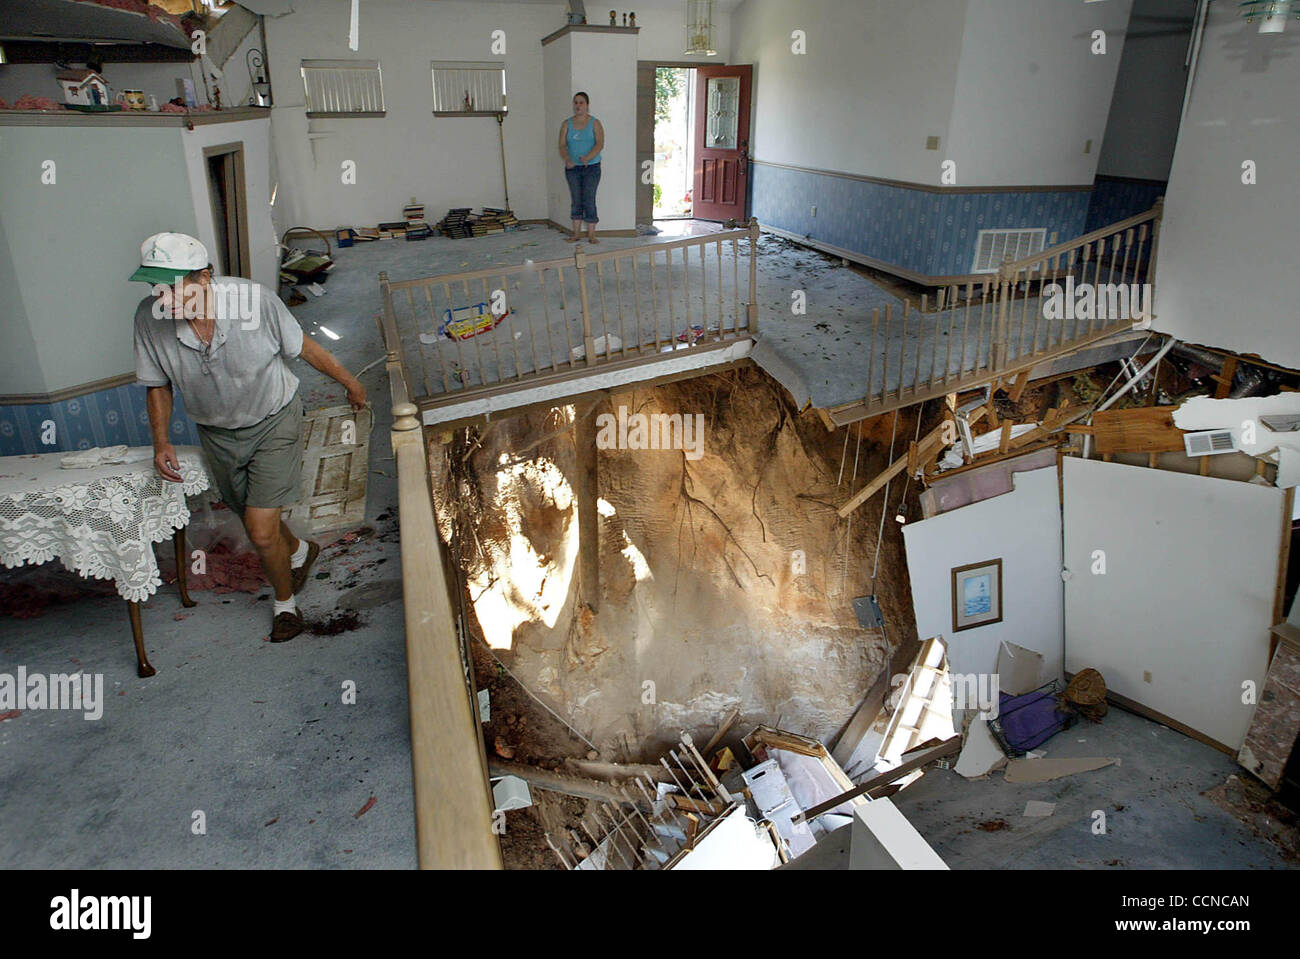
(1227, 250)
(73, 243)
(1030, 92)
(1191, 569)
(557, 59)
(255, 135)
(442, 161)
(663, 29)
(1023, 529)
(878, 78)
(1148, 101)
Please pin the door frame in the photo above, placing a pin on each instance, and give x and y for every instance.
(236, 203)
(645, 116)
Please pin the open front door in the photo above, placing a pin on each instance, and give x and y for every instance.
(722, 142)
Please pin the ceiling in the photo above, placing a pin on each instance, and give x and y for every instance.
(78, 21)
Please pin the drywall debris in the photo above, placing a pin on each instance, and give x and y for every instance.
(980, 754)
(1036, 808)
(1018, 669)
(1043, 770)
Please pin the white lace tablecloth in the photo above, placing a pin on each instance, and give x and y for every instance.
(101, 522)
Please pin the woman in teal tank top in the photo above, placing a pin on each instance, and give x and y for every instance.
(582, 138)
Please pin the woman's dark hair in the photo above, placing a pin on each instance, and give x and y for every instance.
(584, 96)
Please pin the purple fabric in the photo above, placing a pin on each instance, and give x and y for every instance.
(1031, 719)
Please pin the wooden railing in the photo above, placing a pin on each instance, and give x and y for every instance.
(559, 318)
(999, 324)
(453, 799)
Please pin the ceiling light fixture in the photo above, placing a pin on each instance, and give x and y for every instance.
(1271, 14)
(699, 28)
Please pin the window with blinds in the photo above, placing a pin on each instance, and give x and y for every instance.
(469, 89)
(343, 88)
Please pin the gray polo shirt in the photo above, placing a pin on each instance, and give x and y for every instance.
(245, 377)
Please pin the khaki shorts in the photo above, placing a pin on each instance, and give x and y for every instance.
(259, 465)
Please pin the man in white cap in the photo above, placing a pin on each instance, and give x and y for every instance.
(226, 343)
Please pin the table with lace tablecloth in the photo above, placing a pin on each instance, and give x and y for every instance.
(101, 522)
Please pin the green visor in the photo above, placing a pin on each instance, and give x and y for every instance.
(158, 274)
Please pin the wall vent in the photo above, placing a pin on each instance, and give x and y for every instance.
(1209, 443)
(993, 246)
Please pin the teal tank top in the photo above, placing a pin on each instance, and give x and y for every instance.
(581, 142)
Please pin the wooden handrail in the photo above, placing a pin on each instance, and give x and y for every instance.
(1154, 213)
(453, 798)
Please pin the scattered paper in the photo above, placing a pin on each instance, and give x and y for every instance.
(1037, 808)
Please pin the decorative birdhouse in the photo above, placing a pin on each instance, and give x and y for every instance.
(83, 88)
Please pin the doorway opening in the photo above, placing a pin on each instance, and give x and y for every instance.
(674, 142)
(226, 192)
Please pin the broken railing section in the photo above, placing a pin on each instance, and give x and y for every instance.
(647, 822)
(999, 324)
(469, 332)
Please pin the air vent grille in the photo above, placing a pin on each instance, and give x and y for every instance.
(1209, 443)
(994, 246)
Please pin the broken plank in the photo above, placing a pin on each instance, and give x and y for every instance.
(1146, 429)
(1018, 387)
(933, 440)
(1004, 443)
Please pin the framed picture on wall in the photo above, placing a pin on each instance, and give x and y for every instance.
(976, 595)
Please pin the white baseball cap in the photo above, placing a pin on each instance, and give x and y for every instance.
(166, 256)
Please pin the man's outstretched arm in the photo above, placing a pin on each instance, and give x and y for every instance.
(158, 401)
(323, 360)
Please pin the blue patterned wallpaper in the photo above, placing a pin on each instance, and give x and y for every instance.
(930, 233)
(1114, 200)
(104, 418)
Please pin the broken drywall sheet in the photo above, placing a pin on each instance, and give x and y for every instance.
(1045, 770)
(981, 754)
(1036, 808)
(1019, 669)
(1207, 413)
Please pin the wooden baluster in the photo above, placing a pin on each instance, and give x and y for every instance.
(718, 247)
(546, 317)
(952, 326)
(410, 299)
(588, 341)
(636, 303)
(564, 309)
(442, 360)
(735, 286)
(496, 339)
(902, 351)
(618, 284)
(654, 301)
(884, 377)
(753, 276)
(519, 373)
(604, 316)
(979, 331)
(871, 361)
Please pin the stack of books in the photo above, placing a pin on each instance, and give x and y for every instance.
(456, 223)
(416, 227)
(505, 217)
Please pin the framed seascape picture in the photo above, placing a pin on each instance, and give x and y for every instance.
(976, 595)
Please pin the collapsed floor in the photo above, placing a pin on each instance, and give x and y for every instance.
(702, 605)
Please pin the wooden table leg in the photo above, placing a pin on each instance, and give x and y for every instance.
(182, 562)
(144, 668)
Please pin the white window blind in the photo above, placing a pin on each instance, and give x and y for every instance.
(343, 88)
(461, 87)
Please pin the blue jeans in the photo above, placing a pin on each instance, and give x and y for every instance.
(583, 181)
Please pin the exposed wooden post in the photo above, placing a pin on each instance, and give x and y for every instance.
(588, 487)
(1155, 247)
(754, 233)
(588, 342)
(453, 800)
(998, 348)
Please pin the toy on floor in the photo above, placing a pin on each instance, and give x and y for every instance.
(465, 322)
